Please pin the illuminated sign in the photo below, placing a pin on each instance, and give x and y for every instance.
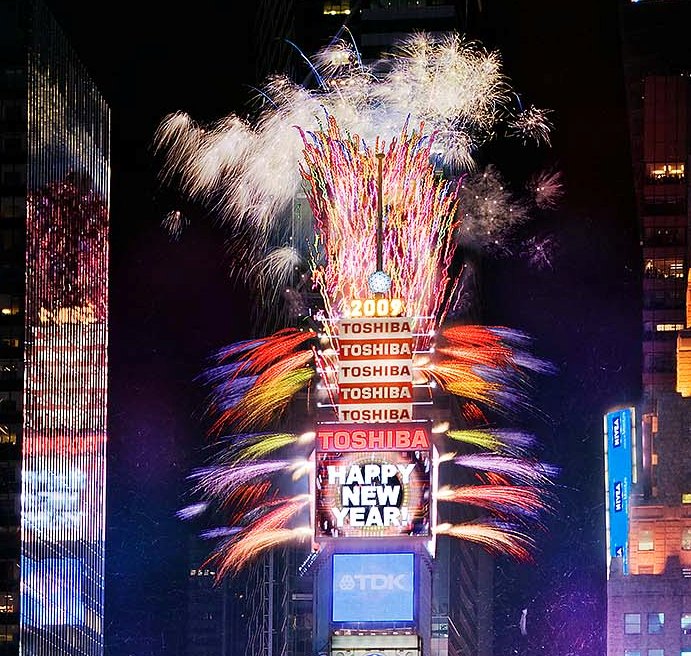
(372, 494)
(375, 307)
(65, 415)
(373, 587)
(619, 436)
(375, 374)
(374, 437)
(74, 353)
(51, 499)
(86, 314)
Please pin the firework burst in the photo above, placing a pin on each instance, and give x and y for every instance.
(368, 144)
(248, 172)
(342, 172)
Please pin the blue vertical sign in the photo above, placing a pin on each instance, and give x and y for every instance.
(619, 435)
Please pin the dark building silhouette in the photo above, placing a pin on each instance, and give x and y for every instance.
(216, 623)
(649, 595)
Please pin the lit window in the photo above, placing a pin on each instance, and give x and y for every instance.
(8, 603)
(8, 434)
(8, 632)
(664, 268)
(632, 623)
(686, 497)
(656, 622)
(686, 652)
(632, 652)
(686, 538)
(337, 7)
(656, 652)
(665, 173)
(686, 623)
(645, 541)
(9, 305)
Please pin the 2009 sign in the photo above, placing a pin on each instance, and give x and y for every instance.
(376, 307)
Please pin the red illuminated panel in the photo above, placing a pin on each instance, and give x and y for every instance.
(372, 437)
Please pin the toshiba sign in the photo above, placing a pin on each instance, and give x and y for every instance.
(375, 374)
(372, 437)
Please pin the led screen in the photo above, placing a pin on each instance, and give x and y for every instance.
(618, 445)
(372, 494)
(52, 592)
(65, 356)
(373, 587)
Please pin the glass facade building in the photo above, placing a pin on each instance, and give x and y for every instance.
(54, 222)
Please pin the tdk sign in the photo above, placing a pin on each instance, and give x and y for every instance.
(374, 582)
(373, 587)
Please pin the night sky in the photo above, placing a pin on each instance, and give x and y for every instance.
(173, 303)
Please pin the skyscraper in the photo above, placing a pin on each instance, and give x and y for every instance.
(649, 585)
(54, 217)
(461, 594)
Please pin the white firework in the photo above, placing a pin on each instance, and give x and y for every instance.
(531, 124)
(489, 212)
(248, 172)
(454, 87)
(277, 271)
(174, 223)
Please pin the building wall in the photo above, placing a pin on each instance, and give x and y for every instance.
(216, 611)
(13, 113)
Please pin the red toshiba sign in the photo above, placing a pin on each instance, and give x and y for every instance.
(372, 437)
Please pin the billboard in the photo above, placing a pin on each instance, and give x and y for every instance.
(375, 372)
(373, 481)
(373, 587)
(65, 356)
(619, 440)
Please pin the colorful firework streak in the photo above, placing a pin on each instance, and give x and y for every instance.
(418, 220)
